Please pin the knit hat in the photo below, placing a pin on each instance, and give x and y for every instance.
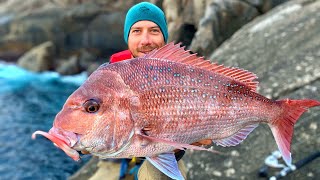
(145, 11)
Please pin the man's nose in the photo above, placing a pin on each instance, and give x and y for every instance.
(145, 39)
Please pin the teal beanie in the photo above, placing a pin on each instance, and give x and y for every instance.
(145, 11)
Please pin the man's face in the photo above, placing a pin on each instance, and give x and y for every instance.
(144, 36)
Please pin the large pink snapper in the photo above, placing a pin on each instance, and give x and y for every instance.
(166, 100)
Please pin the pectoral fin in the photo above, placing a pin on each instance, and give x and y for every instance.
(167, 164)
(178, 145)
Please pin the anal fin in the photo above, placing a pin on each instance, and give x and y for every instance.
(167, 164)
(236, 138)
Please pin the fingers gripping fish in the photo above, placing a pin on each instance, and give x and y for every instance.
(169, 99)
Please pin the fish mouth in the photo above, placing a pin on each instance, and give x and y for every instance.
(63, 139)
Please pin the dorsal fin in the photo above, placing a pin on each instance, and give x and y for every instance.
(173, 52)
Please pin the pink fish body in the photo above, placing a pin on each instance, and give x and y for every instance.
(166, 100)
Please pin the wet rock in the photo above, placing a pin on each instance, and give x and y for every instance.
(39, 58)
(86, 171)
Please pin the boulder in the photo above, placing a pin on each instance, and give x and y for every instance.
(69, 66)
(204, 25)
(39, 58)
(221, 20)
(282, 47)
(70, 27)
(83, 61)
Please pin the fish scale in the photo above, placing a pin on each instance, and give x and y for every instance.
(158, 75)
(166, 100)
(200, 93)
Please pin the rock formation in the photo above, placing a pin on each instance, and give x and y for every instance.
(281, 45)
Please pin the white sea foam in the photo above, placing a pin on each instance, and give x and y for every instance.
(13, 77)
(5, 19)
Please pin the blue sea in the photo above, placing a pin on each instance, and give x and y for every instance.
(29, 102)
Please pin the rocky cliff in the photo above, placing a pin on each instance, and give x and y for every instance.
(283, 48)
(83, 34)
(281, 45)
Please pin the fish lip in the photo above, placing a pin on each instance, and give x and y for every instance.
(68, 137)
(62, 141)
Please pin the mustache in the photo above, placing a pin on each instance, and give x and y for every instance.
(147, 48)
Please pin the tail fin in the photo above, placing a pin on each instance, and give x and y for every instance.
(282, 128)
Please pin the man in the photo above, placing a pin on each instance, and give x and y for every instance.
(145, 29)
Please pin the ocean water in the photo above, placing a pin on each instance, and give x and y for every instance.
(29, 102)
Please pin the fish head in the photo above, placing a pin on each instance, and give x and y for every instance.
(95, 118)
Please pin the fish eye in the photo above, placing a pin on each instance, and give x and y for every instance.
(91, 105)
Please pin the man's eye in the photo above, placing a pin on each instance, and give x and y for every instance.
(135, 31)
(155, 30)
(91, 106)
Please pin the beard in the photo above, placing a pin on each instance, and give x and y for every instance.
(147, 48)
